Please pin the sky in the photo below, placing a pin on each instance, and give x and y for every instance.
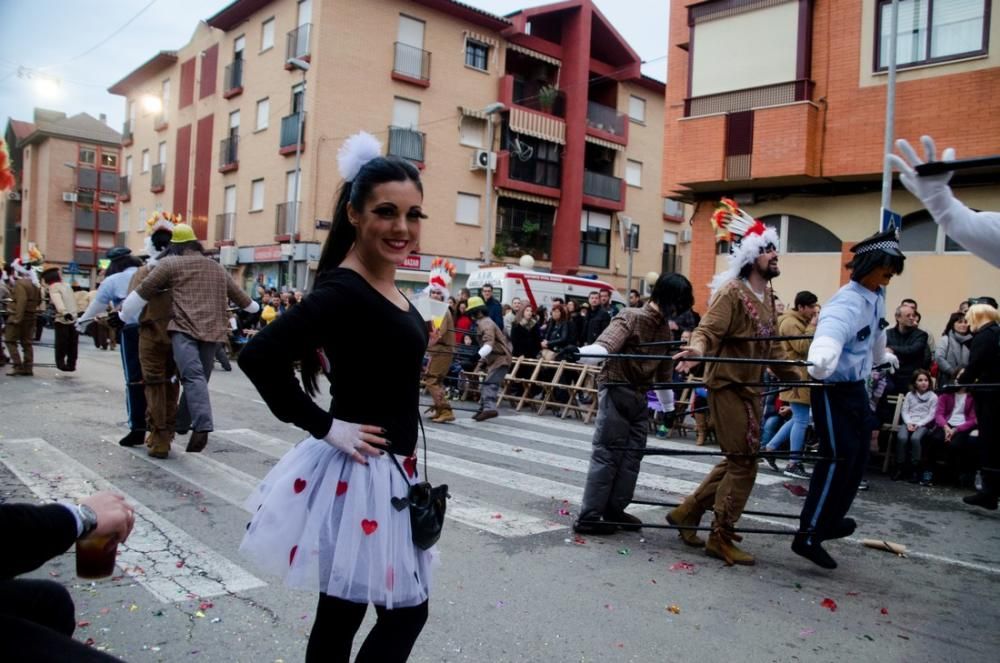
(88, 46)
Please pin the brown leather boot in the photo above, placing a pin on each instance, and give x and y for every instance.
(722, 547)
(688, 513)
(444, 417)
(700, 427)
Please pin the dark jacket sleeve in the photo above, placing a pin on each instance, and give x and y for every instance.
(269, 357)
(984, 357)
(912, 349)
(33, 535)
(596, 324)
(557, 335)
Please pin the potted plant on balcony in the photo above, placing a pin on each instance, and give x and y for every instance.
(547, 96)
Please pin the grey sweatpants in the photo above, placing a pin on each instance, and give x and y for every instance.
(194, 361)
(612, 475)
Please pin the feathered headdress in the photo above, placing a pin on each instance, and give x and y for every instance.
(442, 272)
(747, 238)
(356, 151)
(6, 174)
(155, 223)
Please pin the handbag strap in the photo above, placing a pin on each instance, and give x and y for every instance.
(423, 434)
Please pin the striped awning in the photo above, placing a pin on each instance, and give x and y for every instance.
(527, 197)
(534, 54)
(541, 126)
(492, 42)
(604, 143)
(472, 112)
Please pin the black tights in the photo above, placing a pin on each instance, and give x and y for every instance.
(337, 620)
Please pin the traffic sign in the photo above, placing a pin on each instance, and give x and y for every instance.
(891, 219)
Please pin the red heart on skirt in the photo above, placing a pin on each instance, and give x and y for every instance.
(410, 465)
(341, 487)
(369, 526)
(291, 555)
(299, 485)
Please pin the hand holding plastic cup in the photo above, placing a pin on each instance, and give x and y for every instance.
(95, 556)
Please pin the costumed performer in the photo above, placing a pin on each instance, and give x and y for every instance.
(22, 314)
(324, 517)
(442, 341)
(494, 357)
(64, 300)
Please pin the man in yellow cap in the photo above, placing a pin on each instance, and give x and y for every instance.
(201, 290)
(494, 355)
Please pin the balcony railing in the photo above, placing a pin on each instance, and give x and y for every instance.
(290, 131)
(285, 219)
(225, 227)
(124, 187)
(412, 62)
(602, 186)
(605, 118)
(298, 42)
(229, 153)
(406, 143)
(539, 96)
(160, 122)
(233, 79)
(158, 178)
(747, 99)
(127, 133)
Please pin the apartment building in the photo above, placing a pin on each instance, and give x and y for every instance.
(781, 104)
(65, 200)
(213, 133)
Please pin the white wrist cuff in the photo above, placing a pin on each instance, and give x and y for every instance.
(485, 351)
(593, 349)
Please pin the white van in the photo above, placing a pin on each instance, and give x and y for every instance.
(538, 288)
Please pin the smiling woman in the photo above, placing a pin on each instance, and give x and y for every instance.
(322, 516)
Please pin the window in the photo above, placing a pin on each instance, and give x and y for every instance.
(267, 34)
(920, 233)
(128, 166)
(467, 209)
(109, 160)
(88, 155)
(263, 112)
(637, 108)
(140, 221)
(234, 122)
(161, 152)
(239, 45)
(673, 208)
(595, 238)
(669, 262)
(85, 199)
(476, 54)
(523, 228)
(257, 195)
(165, 96)
(107, 199)
(799, 235)
(124, 216)
(145, 162)
(472, 131)
(633, 173)
(405, 113)
(534, 160)
(932, 30)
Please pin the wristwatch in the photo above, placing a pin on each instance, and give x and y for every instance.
(88, 517)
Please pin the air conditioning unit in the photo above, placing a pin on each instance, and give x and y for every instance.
(13, 195)
(685, 237)
(483, 159)
(69, 196)
(228, 255)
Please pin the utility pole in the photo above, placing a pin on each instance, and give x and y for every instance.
(489, 111)
(303, 66)
(890, 113)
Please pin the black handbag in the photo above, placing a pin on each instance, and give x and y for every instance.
(427, 504)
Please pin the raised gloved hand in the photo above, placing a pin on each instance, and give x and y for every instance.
(824, 353)
(889, 357)
(923, 187)
(569, 353)
(356, 440)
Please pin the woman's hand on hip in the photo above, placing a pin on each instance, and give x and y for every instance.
(357, 440)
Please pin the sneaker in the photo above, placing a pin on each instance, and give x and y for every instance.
(796, 471)
(772, 464)
(133, 439)
(661, 432)
(485, 414)
(927, 478)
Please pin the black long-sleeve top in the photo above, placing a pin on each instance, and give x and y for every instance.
(525, 341)
(984, 357)
(557, 335)
(375, 350)
(33, 534)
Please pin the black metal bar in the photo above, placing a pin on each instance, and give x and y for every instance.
(795, 337)
(671, 385)
(977, 385)
(737, 530)
(660, 451)
(938, 167)
(718, 360)
(651, 344)
(770, 514)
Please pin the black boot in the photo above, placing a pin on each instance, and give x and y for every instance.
(813, 552)
(133, 439)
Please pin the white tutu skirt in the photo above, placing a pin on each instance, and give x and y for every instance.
(326, 523)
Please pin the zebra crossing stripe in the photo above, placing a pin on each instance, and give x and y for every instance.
(466, 510)
(671, 462)
(164, 559)
(227, 483)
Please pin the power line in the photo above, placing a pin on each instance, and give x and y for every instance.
(103, 41)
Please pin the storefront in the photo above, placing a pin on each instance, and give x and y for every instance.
(268, 265)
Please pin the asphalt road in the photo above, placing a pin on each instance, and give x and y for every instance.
(514, 584)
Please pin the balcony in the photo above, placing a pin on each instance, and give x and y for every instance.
(160, 122)
(412, 65)
(158, 178)
(601, 186)
(285, 222)
(289, 139)
(297, 45)
(232, 81)
(127, 133)
(225, 228)
(406, 144)
(229, 154)
(749, 98)
(517, 91)
(607, 122)
(124, 188)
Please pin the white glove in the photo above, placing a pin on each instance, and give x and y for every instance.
(666, 398)
(924, 187)
(355, 440)
(824, 353)
(889, 357)
(132, 308)
(81, 325)
(485, 350)
(252, 307)
(593, 349)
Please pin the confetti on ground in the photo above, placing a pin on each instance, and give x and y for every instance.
(624, 552)
(133, 608)
(104, 611)
(180, 564)
(653, 580)
(854, 593)
(54, 574)
(608, 606)
(884, 611)
(869, 638)
(829, 604)
(84, 622)
(579, 540)
(796, 489)
(205, 605)
(216, 620)
(682, 566)
(497, 516)
(563, 512)
(199, 614)
(674, 609)
(501, 604)
(798, 585)
(158, 613)
(806, 632)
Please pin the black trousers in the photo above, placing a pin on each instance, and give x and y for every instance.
(988, 419)
(844, 424)
(67, 344)
(135, 390)
(37, 619)
(389, 641)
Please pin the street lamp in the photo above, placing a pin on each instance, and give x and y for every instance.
(489, 112)
(303, 66)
